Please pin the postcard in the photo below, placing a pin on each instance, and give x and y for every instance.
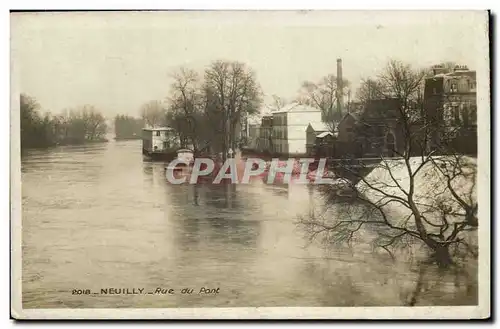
(250, 165)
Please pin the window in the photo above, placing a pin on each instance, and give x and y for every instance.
(473, 114)
(456, 114)
(472, 85)
(465, 115)
(157, 133)
(390, 143)
(454, 87)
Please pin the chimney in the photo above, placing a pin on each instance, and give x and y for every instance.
(460, 68)
(438, 69)
(340, 87)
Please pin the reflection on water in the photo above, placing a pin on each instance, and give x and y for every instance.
(99, 216)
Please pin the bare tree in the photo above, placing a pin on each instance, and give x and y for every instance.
(418, 197)
(323, 95)
(94, 123)
(369, 89)
(278, 103)
(185, 110)
(231, 94)
(153, 113)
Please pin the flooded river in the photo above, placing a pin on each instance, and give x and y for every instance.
(99, 219)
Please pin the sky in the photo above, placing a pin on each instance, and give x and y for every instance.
(118, 61)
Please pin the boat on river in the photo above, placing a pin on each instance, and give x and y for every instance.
(185, 159)
(160, 143)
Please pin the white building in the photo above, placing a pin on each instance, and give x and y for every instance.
(253, 133)
(290, 125)
(159, 140)
(264, 141)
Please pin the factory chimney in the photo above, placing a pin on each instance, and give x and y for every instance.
(340, 88)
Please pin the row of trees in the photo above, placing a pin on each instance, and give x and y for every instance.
(209, 110)
(82, 125)
(128, 127)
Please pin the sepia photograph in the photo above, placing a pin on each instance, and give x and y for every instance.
(250, 164)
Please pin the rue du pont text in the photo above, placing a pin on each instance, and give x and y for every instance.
(143, 291)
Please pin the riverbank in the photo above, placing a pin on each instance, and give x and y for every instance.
(64, 143)
(131, 138)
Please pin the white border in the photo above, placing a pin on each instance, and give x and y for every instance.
(464, 312)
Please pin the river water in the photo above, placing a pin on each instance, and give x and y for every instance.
(100, 217)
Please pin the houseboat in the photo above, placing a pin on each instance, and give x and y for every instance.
(186, 158)
(160, 143)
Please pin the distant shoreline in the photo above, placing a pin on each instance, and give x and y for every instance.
(41, 147)
(127, 138)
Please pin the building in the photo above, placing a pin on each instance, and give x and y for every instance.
(346, 143)
(376, 131)
(162, 141)
(313, 130)
(346, 127)
(324, 144)
(289, 128)
(264, 141)
(253, 133)
(450, 103)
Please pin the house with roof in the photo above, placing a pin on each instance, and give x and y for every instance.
(347, 134)
(450, 102)
(313, 131)
(380, 130)
(324, 145)
(289, 128)
(160, 142)
(346, 127)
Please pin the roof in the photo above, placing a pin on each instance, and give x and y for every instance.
(353, 115)
(324, 134)
(286, 108)
(254, 120)
(296, 107)
(471, 74)
(184, 151)
(458, 73)
(158, 129)
(319, 126)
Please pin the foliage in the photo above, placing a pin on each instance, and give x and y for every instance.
(323, 95)
(209, 111)
(128, 127)
(78, 126)
(153, 113)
